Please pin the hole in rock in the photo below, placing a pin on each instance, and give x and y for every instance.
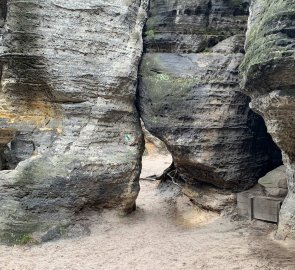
(198, 10)
(188, 12)
(14, 148)
(156, 158)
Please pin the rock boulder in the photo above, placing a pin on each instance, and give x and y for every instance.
(192, 101)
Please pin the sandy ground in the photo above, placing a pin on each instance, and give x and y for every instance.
(155, 165)
(166, 232)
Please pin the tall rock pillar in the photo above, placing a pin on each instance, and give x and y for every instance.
(268, 76)
(70, 135)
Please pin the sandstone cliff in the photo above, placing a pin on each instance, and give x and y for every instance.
(269, 77)
(69, 132)
(189, 94)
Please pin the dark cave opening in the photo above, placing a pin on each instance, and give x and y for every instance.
(14, 148)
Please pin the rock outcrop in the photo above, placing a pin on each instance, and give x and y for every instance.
(69, 131)
(192, 101)
(188, 26)
(269, 78)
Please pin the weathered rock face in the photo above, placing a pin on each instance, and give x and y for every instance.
(192, 26)
(192, 102)
(269, 78)
(67, 114)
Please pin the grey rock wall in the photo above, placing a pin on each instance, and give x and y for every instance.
(192, 101)
(193, 25)
(268, 76)
(69, 131)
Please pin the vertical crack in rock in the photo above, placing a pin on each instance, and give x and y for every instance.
(268, 76)
(67, 99)
(189, 94)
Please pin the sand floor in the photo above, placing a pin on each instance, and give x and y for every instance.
(166, 232)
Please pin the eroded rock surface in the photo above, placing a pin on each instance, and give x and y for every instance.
(67, 114)
(193, 26)
(269, 78)
(192, 101)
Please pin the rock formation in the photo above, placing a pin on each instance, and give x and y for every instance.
(269, 78)
(188, 26)
(69, 132)
(189, 93)
(275, 183)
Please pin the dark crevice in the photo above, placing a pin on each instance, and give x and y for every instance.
(14, 148)
(209, 8)
(3, 12)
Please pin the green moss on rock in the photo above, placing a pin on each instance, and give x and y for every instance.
(164, 87)
(267, 42)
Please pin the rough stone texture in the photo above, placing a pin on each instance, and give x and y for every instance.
(209, 198)
(276, 192)
(192, 102)
(67, 114)
(275, 182)
(275, 179)
(269, 78)
(193, 25)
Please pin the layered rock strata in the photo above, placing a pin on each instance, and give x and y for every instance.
(190, 26)
(192, 101)
(69, 131)
(268, 76)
